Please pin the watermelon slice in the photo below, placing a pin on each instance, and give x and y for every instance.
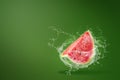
(80, 51)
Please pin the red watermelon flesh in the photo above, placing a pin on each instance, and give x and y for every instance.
(81, 50)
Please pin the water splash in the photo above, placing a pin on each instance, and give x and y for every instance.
(99, 47)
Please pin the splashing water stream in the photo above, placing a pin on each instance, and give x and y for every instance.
(99, 48)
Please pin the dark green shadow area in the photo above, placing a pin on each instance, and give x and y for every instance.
(86, 72)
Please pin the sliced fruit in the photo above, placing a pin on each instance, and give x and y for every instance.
(81, 51)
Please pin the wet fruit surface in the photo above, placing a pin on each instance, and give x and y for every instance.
(81, 50)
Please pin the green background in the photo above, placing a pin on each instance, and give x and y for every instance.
(24, 37)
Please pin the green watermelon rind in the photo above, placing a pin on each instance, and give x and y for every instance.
(68, 62)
